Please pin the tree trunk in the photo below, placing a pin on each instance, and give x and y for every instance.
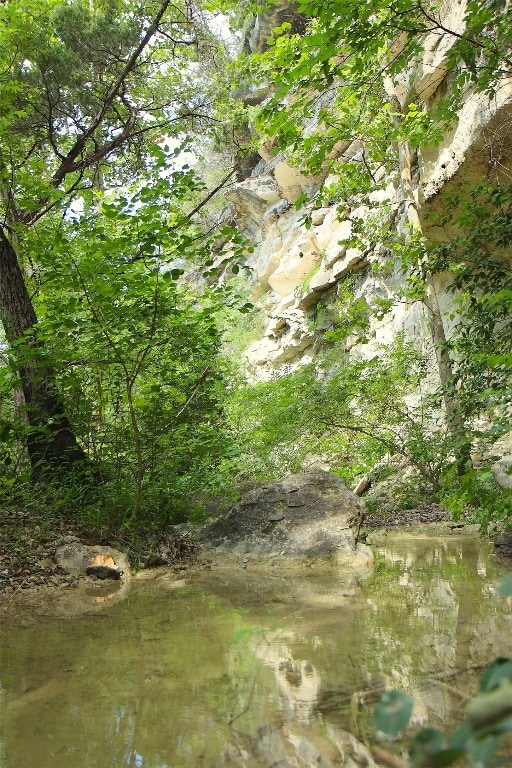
(454, 417)
(444, 363)
(51, 443)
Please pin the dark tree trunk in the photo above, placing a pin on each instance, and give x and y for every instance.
(51, 442)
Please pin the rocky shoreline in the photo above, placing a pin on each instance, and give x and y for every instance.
(28, 547)
(428, 513)
(28, 550)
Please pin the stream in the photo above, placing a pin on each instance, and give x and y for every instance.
(243, 668)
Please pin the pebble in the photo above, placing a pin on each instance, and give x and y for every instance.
(432, 513)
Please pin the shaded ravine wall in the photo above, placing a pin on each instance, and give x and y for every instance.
(293, 267)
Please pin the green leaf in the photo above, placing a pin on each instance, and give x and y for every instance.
(496, 673)
(429, 750)
(481, 751)
(393, 712)
(241, 634)
(461, 736)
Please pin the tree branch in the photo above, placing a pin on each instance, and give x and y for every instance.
(198, 386)
(211, 194)
(70, 164)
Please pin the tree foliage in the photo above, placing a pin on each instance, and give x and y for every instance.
(479, 740)
(111, 331)
(347, 411)
(134, 347)
(334, 73)
(480, 262)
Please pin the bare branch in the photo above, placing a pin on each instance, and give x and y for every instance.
(178, 42)
(198, 386)
(211, 194)
(461, 36)
(50, 117)
(30, 217)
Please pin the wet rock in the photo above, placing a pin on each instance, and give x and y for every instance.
(503, 544)
(78, 559)
(173, 550)
(103, 572)
(308, 514)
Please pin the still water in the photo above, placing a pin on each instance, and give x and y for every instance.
(246, 669)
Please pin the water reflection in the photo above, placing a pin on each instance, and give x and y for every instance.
(249, 670)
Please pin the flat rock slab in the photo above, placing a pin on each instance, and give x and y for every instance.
(309, 514)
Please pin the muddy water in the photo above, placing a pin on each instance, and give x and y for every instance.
(239, 668)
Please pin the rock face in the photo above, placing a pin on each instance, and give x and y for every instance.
(297, 266)
(282, 11)
(502, 467)
(502, 472)
(309, 514)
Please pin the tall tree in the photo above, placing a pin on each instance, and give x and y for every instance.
(84, 87)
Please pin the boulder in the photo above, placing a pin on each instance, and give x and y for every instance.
(308, 514)
(96, 560)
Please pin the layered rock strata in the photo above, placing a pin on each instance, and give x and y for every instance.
(297, 264)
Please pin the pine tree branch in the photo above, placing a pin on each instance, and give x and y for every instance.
(70, 162)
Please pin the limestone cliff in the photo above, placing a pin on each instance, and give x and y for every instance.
(295, 265)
